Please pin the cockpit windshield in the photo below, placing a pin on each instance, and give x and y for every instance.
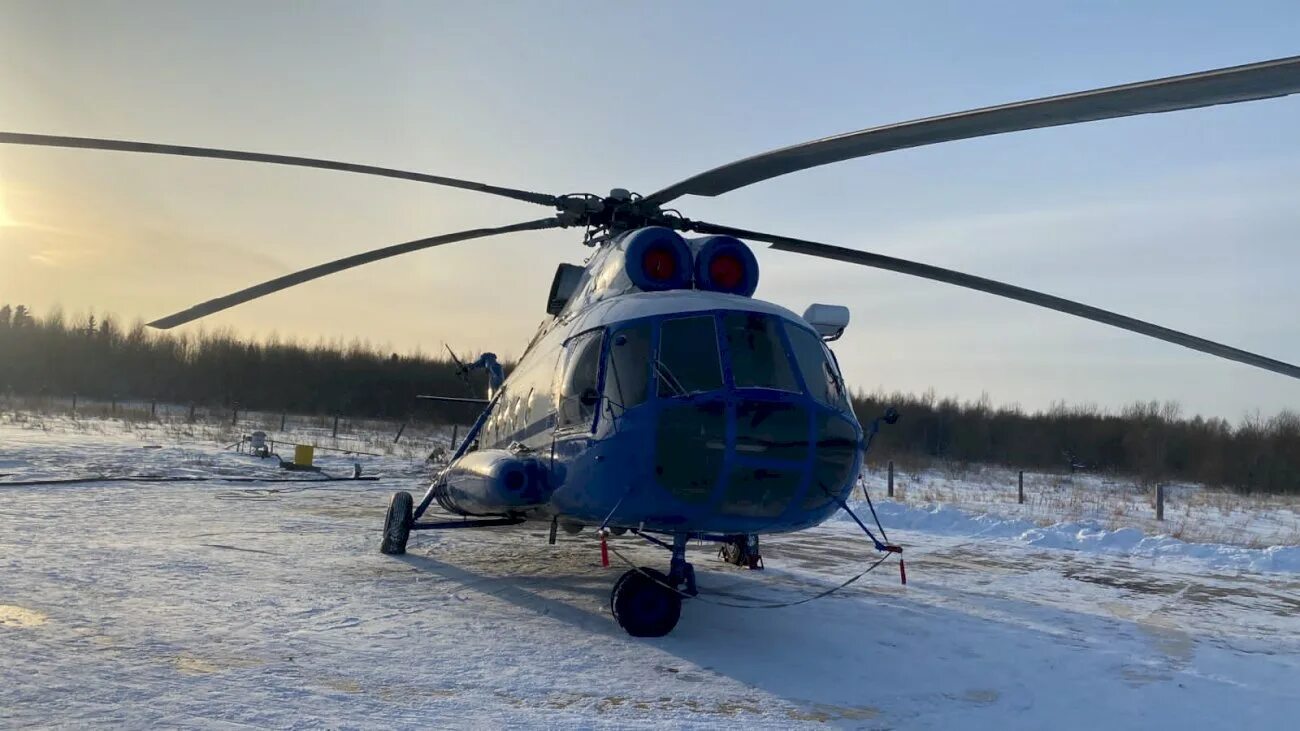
(762, 351)
(758, 357)
(687, 361)
(817, 366)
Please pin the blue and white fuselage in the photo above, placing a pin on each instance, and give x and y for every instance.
(681, 410)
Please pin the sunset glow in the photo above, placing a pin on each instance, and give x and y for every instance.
(6, 218)
(1150, 216)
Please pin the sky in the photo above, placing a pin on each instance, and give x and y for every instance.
(1186, 219)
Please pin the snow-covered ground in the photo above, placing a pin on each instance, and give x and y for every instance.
(1192, 512)
(226, 605)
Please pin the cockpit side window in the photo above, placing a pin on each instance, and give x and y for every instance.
(837, 378)
(578, 394)
(758, 357)
(819, 372)
(627, 376)
(687, 361)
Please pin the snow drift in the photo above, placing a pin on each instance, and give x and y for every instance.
(1087, 535)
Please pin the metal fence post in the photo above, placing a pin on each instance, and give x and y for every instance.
(454, 429)
(891, 478)
(283, 415)
(1020, 492)
(336, 426)
(1160, 502)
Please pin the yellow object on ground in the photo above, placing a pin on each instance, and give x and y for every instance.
(303, 454)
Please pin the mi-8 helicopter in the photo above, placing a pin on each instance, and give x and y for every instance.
(659, 396)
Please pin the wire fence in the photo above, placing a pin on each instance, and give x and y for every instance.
(327, 432)
(1188, 511)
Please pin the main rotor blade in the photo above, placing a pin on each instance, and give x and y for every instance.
(1263, 80)
(455, 400)
(969, 281)
(316, 272)
(88, 143)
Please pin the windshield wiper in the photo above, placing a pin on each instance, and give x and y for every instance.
(836, 382)
(667, 377)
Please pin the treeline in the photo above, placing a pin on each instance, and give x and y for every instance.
(101, 359)
(1151, 441)
(52, 355)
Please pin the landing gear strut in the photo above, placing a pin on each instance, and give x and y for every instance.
(647, 603)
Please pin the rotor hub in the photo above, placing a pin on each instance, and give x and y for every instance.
(620, 211)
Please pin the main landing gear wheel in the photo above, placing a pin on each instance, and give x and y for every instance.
(397, 524)
(643, 605)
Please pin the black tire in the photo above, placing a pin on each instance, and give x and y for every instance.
(614, 592)
(737, 553)
(397, 524)
(730, 552)
(643, 605)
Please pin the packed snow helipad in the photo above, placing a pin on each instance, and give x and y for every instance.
(225, 605)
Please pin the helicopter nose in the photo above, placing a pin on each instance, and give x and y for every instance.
(691, 449)
(755, 455)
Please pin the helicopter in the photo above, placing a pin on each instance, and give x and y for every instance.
(659, 396)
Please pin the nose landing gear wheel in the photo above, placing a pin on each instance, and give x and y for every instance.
(742, 551)
(643, 606)
(397, 524)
